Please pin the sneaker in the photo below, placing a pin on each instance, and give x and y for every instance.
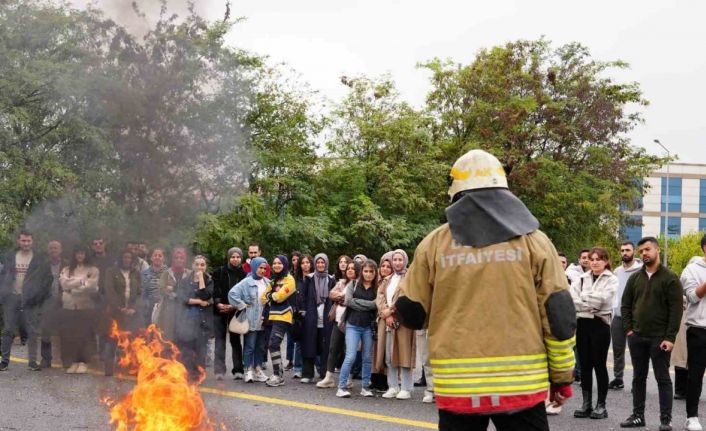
(297, 375)
(289, 366)
(693, 424)
(429, 398)
(4, 365)
(238, 376)
(342, 393)
(33, 366)
(365, 392)
(81, 368)
(403, 395)
(248, 377)
(553, 409)
(391, 393)
(665, 423)
(219, 376)
(305, 380)
(616, 384)
(274, 381)
(260, 376)
(72, 368)
(634, 421)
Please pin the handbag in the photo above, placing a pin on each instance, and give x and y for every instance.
(238, 326)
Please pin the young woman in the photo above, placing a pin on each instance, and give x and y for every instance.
(337, 345)
(359, 318)
(277, 295)
(294, 352)
(123, 290)
(166, 319)
(395, 343)
(385, 269)
(317, 326)
(194, 323)
(341, 265)
(593, 297)
(79, 285)
(246, 296)
(150, 284)
(379, 379)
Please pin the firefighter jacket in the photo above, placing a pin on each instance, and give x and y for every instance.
(500, 319)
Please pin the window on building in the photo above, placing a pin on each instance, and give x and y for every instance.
(674, 194)
(673, 229)
(632, 230)
(702, 197)
(702, 224)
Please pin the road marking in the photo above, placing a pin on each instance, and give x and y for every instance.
(288, 403)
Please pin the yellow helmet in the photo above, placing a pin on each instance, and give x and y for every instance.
(476, 169)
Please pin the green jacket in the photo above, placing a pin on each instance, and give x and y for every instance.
(652, 307)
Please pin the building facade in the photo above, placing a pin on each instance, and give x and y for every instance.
(673, 205)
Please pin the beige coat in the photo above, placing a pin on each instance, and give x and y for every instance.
(79, 288)
(679, 353)
(404, 344)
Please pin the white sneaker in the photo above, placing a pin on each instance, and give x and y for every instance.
(403, 395)
(391, 393)
(305, 380)
(81, 368)
(366, 392)
(297, 375)
(238, 376)
(693, 424)
(342, 393)
(428, 397)
(553, 409)
(219, 376)
(260, 376)
(248, 377)
(72, 368)
(275, 381)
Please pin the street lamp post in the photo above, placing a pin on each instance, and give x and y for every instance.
(666, 215)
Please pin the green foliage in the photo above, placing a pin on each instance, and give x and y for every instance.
(682, 250)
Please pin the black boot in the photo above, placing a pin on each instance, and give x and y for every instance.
(600, 411)
(586, 408)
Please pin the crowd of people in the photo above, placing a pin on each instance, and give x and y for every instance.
(488, 311)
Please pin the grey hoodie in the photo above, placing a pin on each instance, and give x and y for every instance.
(623, 274)
(693, 276)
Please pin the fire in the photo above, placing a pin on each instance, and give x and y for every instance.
(163, 399)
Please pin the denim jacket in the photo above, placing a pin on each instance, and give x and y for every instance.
(246, 293)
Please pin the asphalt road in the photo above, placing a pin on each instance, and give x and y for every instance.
(53, 400)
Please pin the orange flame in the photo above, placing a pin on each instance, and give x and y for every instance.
(163, 398)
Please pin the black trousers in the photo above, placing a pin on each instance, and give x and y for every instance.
(592, 341)
(534, 419)
(696, 364)
(308, 363)
(220, 323)
(337, 350)
(642, 350)
(193, 354)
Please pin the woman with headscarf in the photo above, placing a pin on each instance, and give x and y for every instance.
(246, 296)
(294, 352)
(316, 307)
(385, 268)
(395, 343)
(379, 379)
(194, 317)
(277, 295)
(337, 345)
(224, 278)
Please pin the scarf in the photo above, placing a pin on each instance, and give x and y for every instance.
(403, 271)
(254, 265)
(285, 270)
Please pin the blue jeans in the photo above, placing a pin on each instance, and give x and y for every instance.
(354, 335)
(251, 356)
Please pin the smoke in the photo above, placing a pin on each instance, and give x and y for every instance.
(138, 17)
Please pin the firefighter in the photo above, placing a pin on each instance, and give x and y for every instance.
(492, 293)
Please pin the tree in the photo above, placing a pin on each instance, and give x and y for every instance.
(557, 123)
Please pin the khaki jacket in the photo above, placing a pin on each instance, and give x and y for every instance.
(404, 341)
(489, 337)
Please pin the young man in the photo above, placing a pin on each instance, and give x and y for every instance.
(254, 251)
(462, 274)
(694, 280)
(56, 264)
(25, 286)
(651, 309)
(629, 266)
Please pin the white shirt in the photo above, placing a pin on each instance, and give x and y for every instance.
(126, 276)
(22, 261)
(392, 288)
